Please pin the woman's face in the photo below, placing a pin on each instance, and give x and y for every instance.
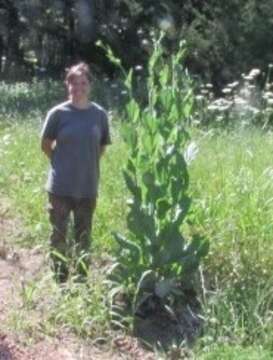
(78, 88)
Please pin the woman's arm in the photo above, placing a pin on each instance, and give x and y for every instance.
(47, 146)
(102, 149)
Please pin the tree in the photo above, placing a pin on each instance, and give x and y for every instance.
(224, 38)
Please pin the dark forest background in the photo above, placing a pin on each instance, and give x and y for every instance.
(224, 38)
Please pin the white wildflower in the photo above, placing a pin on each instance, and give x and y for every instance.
(191, 152)
(270, 101)
(240, 101)
(138, 67)
(166, 24)
(248, 78)
(199, 97)
(227, 91)
(268, 95)
(245, 92)
(254, 73)
(212, 107)
(251, 87)
(220, 118)
(220, 105)
(234, 84)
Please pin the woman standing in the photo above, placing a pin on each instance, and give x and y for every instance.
(74, 137)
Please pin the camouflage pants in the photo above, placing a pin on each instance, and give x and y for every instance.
(60, 208)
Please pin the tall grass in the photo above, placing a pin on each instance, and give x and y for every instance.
(233, 191)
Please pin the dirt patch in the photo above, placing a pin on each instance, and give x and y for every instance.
(16, 268)
(9, 351)
(9, 265)
(124, 348)
(19, 266)
(25, 265)
(10, 228)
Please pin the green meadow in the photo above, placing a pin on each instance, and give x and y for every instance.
(231, 187)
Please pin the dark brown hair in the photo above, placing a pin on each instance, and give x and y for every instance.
(76, 70)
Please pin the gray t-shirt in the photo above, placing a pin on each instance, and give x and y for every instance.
(79, 135)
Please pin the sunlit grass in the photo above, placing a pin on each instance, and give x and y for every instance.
(232, 195)
(228, 352)
(233, 192)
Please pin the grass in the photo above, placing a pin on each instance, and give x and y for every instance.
(226, 352)
(232, 191)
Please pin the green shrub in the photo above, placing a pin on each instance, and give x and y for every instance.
(154, 259)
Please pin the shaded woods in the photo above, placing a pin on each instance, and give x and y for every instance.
(39, 38)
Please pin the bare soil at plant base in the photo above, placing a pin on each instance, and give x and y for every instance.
(17, 267)
(21, 266)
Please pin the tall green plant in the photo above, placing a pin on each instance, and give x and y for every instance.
(154, 259)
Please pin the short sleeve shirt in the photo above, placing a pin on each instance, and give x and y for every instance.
(79, 135)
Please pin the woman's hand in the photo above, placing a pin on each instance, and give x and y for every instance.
(47, 146)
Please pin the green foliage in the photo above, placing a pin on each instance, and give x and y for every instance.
(27, 99)
(154, 257)
(224, 39)
(229, 352)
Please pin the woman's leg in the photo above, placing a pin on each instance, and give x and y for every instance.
(59, 208)
(83, 216)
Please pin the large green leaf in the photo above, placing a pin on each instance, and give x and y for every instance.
(164, 76)
(133, 249)
(131, 184)
(129, 134)
(180, 211)
(166, 100)
(133, 111)
(162, 207)
(141, 223)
